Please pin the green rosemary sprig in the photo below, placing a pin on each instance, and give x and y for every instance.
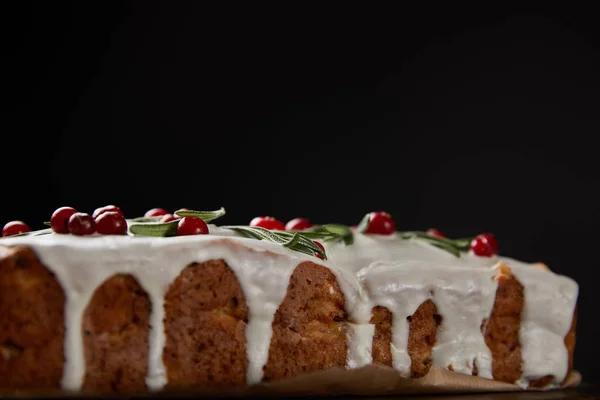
(149, 226)
(294, 240)
(206, 216)
(145, 219)
(330, 232)
(454, 246)
(165, 229)
(364, 224)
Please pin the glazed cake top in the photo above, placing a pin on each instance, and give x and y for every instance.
(394, 271)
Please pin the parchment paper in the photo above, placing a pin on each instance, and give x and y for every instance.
(371, 380)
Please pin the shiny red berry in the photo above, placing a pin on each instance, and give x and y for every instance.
(168, 218)
(156, 212)
(99, 211)
(81, 224)
(381, 223)
(268, 223)
(298, 224)
(111, 223)
(191, 226)
(485, 245)
(60, 219)
(15, 228)
(435, 233)
(322, 248)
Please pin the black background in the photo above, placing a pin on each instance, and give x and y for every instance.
(467, 120)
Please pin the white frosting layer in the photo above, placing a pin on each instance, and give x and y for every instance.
(263, 270)
(401, 274)
(550, 301)
(376, 270)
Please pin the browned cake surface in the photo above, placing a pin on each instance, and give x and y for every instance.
(501, 332)
(309, 331)
(115, 337)
(205, 322)
(423, 326)
(31, 322)
(381, 317)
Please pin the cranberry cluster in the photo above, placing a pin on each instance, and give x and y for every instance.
(108, 220)
(185, 226)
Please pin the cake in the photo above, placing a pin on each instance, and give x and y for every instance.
(155, 308)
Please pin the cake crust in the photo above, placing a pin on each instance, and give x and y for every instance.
(115, 337)
(205, 322)
(309, 329)
(31, 322)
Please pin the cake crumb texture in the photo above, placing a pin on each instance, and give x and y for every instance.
(309, 329)
(115, 337)
(421, 337)
(31, 322)
(423, 325)
(205, 322)
(381, 317)
(501, 331)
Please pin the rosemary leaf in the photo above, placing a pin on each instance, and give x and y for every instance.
(206, 216)
(331, 232)
(146, 219)
(364, 224)
(158, 230)
(454, 247)
(294, 240)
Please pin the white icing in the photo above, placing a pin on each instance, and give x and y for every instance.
(463, 297)
(400, 274)
(376, 270)
(550, 301)
(263, 270)
(360, 344)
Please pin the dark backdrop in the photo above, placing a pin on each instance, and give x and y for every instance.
(465, 120)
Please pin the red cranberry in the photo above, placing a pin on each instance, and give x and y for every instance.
(168, 218)
(81, 224)
(322, 248)
(60, 219)
(15, 228)
(485, 245)
(298, 224)
(268, 223)
(98, 211)
(191, 226)
(111, 223)
(435, 233)
(381, 223)
(156, 212)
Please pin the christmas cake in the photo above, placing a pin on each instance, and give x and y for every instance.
(100, 304)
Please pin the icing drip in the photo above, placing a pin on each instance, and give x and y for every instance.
(547, 314)
(376, 270)
(82, 264)
(463, 296)
(360, 345)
